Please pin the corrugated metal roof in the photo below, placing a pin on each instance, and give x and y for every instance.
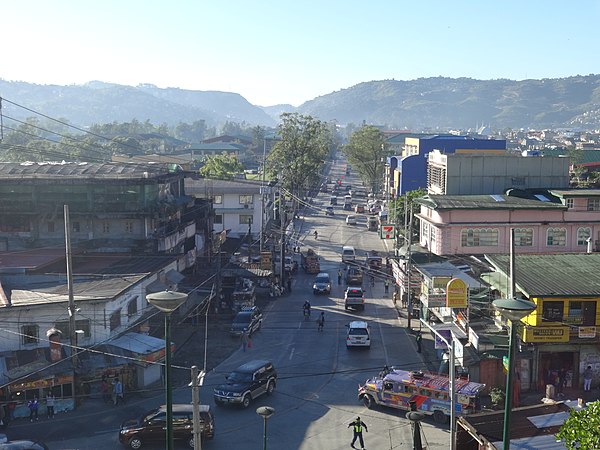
(53, 170)
(441, 202)
(556, 275)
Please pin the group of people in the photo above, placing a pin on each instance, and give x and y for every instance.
(320, 319)
(34, 406)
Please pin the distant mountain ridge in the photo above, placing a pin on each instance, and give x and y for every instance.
(424, 103)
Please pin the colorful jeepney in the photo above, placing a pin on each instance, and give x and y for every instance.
(397, 388)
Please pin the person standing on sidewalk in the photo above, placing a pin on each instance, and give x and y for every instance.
(587, 378)
(33, 405)
(117, 392)
(50, 405)
(357, 426)
(418, 339)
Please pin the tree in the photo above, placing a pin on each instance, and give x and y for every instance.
(365, 152)
(297, 158)
(223, 166)
(582, 428)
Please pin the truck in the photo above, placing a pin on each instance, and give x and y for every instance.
(354, 276)
(372, 223)
(310, 261)
(397, 389)
(374, 261)
(347, 202)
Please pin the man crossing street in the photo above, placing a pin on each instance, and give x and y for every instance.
(357, 426)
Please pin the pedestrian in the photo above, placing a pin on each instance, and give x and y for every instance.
(321, 321)
(33, 405)
(117, 392)
(395, 298)
(386, 285)
(289, 284)
(357, 427)
(105, 389)
(3, 419)
(12, 405)
(245, 339)
(404, 299)
(339, 276)
(587, 378)
(418, 339)
(50, 405)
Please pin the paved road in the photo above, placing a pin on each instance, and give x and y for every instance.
(316, 396)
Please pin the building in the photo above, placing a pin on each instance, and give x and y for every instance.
(239, 205)
(113, 207)
(546, 221)
(477, 174)
(409, 171)
(561, 333)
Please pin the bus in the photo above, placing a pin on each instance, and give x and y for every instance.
(398, 388)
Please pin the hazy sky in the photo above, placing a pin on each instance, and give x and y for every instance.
(285, 51)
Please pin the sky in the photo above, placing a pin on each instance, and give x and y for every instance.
(288, 52)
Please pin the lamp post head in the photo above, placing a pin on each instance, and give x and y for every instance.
(167, 301)
(513, 309)
(265, 411)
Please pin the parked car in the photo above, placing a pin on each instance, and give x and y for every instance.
(150, 428)
(248, 320)
(351, 220)
(322, 284)
(246, 383)
(329, 211)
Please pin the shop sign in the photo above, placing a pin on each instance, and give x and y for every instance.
(546, 334)
(434, 300)
(587, 332)
(440, 282)
(456, 293)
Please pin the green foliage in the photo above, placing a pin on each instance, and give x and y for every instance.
(365, 153)
(297, 158)
(582, 429)
(222, 166)
(497, 396)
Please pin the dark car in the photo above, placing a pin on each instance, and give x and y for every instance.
(329, 211)
(151, 427)
(21, 444)
(322, 284)
(248, 320)
(246, 383)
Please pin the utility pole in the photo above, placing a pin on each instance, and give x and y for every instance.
(71, 307)
(408, 266)
(197, 381)
(282, 250)
(262, 196)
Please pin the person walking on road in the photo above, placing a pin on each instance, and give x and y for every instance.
(245, 339)
(117, 392)
(587, 378)
(386, 285)
(357, 427)
(321, 321)
(50, 405)
(339, 276)
(418, 339)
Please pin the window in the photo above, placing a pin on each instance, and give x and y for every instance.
(245, 219)
(583, 234)
(218, 199)
(115, 320)
(556, 237)
(432, 235)
(246, 199)
(129, 227)
(30, 334)
(218, 218)
(593, 204)
(132, 308)
(106, 227)
(479, 237)
(575, 313)
(425, 231)
(50, 227)
(76, 227)
(523, 237)
(552, 311)
(570, 203)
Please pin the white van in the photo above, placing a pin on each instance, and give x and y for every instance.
(348, 253)
(359, 334)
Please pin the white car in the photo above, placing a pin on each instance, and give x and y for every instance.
(351, 220)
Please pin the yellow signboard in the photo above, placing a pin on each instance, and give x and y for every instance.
(546, 334)
(456, 293)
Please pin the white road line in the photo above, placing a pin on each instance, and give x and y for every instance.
(292, 353)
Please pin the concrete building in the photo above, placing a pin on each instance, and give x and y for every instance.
(477, 174)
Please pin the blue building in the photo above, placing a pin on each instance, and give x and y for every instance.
(408, 171)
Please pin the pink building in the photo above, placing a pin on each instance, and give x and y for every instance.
(550, 221)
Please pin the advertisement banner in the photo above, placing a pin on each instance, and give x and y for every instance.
(456, 293)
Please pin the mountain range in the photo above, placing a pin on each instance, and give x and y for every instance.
(424, 103)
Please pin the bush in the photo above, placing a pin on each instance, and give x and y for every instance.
(497, 397)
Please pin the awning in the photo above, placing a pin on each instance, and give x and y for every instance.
(146, 348)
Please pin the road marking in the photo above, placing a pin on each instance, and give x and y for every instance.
(292, 353)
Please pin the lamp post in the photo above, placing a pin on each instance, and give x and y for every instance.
(265, 412)
(512, 309)
(168, 302)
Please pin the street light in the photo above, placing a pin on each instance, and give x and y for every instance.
(513, 309)
(265, 412)
(168, 302)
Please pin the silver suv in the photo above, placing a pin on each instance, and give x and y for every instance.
(354, 298)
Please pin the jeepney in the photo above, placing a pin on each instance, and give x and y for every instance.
(398, 388)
